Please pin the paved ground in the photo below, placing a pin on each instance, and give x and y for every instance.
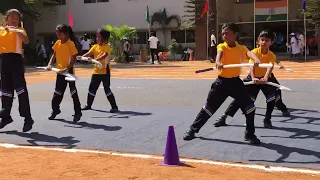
(150, 106)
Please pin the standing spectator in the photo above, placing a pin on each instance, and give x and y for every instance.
(213, 46)
(294, 46)
(126, 49)
(85, 43)
(301, 42)
(153, 45)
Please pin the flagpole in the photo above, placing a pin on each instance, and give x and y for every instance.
(254, 24)
(208, 28)
(217, 24)
(288, 41)
(305, 36)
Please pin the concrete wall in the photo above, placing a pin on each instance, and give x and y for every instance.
(89, 17)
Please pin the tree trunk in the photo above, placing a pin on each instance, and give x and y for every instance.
(165, 37)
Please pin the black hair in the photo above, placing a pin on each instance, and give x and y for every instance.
(233, 27)
(266, 34)
(105, 34)
(67, 30)
(151, 33)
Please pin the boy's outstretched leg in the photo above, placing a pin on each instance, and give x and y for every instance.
(269, 92)
(279, 103)
(241, 95)
(232, 109)
(217, 95)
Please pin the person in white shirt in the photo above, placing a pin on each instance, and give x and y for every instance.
(301, 42)
(126, 49)
(213, 47)
(153, 45)
(294, 46)
(85, 44)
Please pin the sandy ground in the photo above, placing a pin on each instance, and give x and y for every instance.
(41, 164)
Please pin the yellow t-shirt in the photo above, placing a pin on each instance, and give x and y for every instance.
(98, 51)
(64, 52)
(232, 55)
(270, 58)
(10, 41)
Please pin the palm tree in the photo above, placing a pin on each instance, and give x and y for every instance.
(161, 18)
(117, 34)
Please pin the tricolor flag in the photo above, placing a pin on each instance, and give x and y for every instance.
(275, 10)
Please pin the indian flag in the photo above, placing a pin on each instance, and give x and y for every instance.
(271, 10)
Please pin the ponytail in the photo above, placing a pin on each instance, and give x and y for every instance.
(67, 30)
(71, 34)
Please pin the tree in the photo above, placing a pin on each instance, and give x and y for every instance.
(161, 18)
(313, 12)
(117, 34)
(27, 7)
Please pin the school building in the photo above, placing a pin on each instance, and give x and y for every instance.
(281, 16)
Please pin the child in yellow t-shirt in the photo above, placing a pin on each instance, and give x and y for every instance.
(228, 84)
(64, 55)
(101, 52)
(260, 76)
(12, 70)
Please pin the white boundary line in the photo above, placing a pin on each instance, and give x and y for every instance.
(145, 156)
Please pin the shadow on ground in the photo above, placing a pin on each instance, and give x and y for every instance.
(284, 151)
(121, 114)
(35, 137)
(91, 126)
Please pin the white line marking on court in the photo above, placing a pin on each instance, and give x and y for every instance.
(145, 156)
(101, 87)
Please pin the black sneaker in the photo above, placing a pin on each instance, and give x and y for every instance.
(114, 110)
(221, 121)
(267, 123)
(28, 123)
(77, 117)
(86, 107)
(286, 113)
(252, 139)
(189, 135)
(54, 114)
(5, 121)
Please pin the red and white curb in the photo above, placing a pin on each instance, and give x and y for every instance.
(145, 156)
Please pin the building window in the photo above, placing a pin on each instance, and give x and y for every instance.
(243, 1)
(89, 1)
(58, 2)
(95, 1)
(179, 36)
(183, 36)
(142, 38)
(190, 36)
